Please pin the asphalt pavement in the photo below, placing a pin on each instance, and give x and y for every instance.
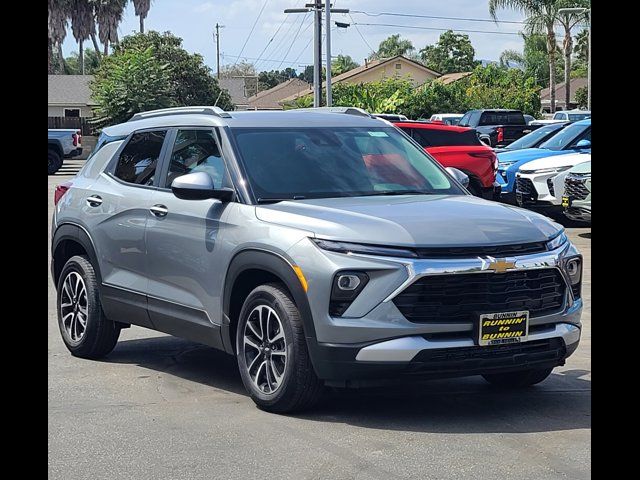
(160, 407)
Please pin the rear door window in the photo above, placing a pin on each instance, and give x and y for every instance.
(443, 138)
(502, 118)
(138, 160)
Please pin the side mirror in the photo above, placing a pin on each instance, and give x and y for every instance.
(583, 144)
(199, 186)
(460, 176)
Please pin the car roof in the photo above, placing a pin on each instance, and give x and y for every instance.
(586, 121)
(250, 119)
(431, 126)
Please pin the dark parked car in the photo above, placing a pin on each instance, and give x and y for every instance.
(497, 127)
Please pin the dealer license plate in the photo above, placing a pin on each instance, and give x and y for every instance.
(503, 327)
(566, 202)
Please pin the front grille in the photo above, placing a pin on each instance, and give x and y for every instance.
(469, 360)
(461, 298)
(525, 187)
(550, 186)
(493, 250)
(574, 187)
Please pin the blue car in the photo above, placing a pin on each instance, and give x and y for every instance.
(571, 139)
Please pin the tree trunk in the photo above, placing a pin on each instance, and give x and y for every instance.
(50, 64)
(106, 48)
(81, 57)
(141, 24)
(551, 51)
(63, 65)
(96, 47)
(568, 47)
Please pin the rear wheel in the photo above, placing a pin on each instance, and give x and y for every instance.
(55, 162)
(272, 352)
(520, 379)
(85, 330)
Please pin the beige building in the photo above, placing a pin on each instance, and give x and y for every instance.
(269, 99)
(376, 70)
(69, 96)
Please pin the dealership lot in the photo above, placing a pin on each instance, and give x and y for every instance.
(162, 407)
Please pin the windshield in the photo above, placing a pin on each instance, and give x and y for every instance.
(532, 139)
(574, 117)
(322, 162)
(565, 137)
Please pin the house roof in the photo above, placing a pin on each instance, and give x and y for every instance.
(370, 65)
(268, 99)
(448, 78)
(576, 83)
(69, 90)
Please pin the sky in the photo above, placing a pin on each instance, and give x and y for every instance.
(194, 22)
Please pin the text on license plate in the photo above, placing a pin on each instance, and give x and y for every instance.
(503, 327)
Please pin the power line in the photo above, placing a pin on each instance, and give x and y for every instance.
(282, 44)
(393, 14)
(292, 41)
(251, 31)
(433, 28)
(353, 22)
(271, 39)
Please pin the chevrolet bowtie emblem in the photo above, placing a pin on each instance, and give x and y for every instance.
(501, 265)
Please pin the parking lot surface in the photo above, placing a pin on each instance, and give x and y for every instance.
(160, 407)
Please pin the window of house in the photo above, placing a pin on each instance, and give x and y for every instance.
(398, 66)
(72, 112)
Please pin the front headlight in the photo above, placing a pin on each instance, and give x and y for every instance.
(557, 241)
(546, 170)
(348, 247)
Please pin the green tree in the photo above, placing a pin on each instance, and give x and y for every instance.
(436, 97)
(82, 26)
(533, 59)
(131, 81)
(383, 96)
(542, 16)
(392, 46)
(141, 9)
(182, 78)
(343, 63)
(581, 48)
(452, 53)
(91, 63)
(582, 94)
(57, 31)
(108, 14)
(267, 80)
(568, 21)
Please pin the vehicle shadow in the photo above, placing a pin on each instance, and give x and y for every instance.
(585, 235)
(461, 405)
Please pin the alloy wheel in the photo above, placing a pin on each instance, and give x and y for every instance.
(74, 307)
(265, 349)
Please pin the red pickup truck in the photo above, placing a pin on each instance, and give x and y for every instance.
(458, 147)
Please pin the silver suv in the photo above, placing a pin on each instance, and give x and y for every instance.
(319, 248)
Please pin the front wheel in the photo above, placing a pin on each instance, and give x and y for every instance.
(272, 352)
(520, 379)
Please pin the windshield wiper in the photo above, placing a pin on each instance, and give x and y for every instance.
(276, 200)
(398, 192)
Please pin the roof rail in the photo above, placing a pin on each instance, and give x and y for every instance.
(348, 110)
(217, 111)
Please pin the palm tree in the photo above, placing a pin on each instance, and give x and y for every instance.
(343, 63)
(82, 26)
(392, 46)
(57, 20)
(568, 21)
(542, 16)
(141, 8)
(108, 17)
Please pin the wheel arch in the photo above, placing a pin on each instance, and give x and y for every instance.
(68, 240)
(250, 268)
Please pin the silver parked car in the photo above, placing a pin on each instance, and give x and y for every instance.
(577, 193)
(318, 248)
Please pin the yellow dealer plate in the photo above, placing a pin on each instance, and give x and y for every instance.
(503, 327)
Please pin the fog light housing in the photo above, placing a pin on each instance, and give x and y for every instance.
(573, 269)
(346, 287)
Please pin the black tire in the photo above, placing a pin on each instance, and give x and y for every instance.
(475, 188)
(520, 379)
(300, 388)
(100, 334)
(55, 162)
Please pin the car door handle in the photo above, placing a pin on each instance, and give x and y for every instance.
(159, 210)
(94, 201)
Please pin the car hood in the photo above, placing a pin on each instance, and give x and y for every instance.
(506, 159)
(568, 160)
(582, 168)
(412, 220)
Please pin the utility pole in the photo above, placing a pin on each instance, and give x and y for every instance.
(217, 34)
(327, 17)
(589, 68)
(317, 8)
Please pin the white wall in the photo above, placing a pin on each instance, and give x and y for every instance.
(56, 111)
